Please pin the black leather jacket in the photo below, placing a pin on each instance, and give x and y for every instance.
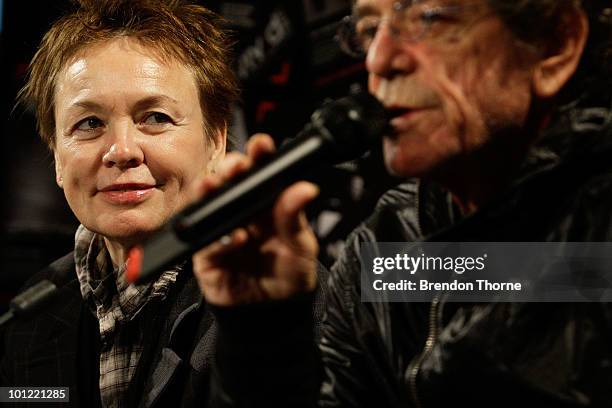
(439, 354)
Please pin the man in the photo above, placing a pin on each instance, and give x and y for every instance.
(502, 109)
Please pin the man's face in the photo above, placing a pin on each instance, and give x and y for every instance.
(451, 90)
(129, 138)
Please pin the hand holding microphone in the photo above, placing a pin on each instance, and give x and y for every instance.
(246, 187)
(273, 257)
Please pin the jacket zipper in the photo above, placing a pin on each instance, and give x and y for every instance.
(415, 364)
(417, 209)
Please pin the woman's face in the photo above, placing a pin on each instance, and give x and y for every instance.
(129, 138)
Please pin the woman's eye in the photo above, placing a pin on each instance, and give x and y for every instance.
(157, 118)
(89, 124)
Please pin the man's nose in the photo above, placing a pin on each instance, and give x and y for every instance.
(123, 149)
(388, 54)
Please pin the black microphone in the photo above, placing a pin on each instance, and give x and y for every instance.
(339, 131)
(30, 300)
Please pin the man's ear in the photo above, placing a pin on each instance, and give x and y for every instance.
(560, 62)
(58, 171)
(219, 143)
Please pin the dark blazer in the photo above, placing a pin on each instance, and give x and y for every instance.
(59, 346)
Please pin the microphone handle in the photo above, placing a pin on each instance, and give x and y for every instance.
(250, 193)
(29, 300)
(234, 204)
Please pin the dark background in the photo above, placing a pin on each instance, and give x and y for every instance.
(287, 62)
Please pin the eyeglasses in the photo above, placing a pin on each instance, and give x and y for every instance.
(410, 20)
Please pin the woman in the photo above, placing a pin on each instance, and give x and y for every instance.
(133, 98)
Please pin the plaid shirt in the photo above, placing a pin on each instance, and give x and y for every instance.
(117, 306)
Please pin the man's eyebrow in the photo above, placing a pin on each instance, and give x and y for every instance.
(365, 10)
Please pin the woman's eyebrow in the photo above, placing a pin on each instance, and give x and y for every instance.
(142, 104)
(84, 105)
(154, 100)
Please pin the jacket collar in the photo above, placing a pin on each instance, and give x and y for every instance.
(579, 131)
(578, 140)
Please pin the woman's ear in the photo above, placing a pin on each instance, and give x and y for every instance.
(560, 62)
(219, 143)
(58, 171)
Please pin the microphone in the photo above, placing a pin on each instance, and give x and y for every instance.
(30, 300)
(339, 131)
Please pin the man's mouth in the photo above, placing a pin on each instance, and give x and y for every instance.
(401, 118)
(396, 111)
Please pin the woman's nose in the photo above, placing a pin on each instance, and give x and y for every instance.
(123, 150)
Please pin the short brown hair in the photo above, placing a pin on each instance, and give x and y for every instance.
(187, 32)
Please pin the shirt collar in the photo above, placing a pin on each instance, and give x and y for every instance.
(105, 287)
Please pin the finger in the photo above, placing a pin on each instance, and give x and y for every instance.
(204, 186)
(288, 212)
(260, 145)
(213, 254)
(233, 164)
(296, 200)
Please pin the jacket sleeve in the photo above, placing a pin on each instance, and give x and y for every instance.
(345, 366)
(357, 369)
(266, 355)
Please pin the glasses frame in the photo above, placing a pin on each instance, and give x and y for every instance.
(346, 34)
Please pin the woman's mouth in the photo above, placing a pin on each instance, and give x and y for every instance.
(127, 193)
